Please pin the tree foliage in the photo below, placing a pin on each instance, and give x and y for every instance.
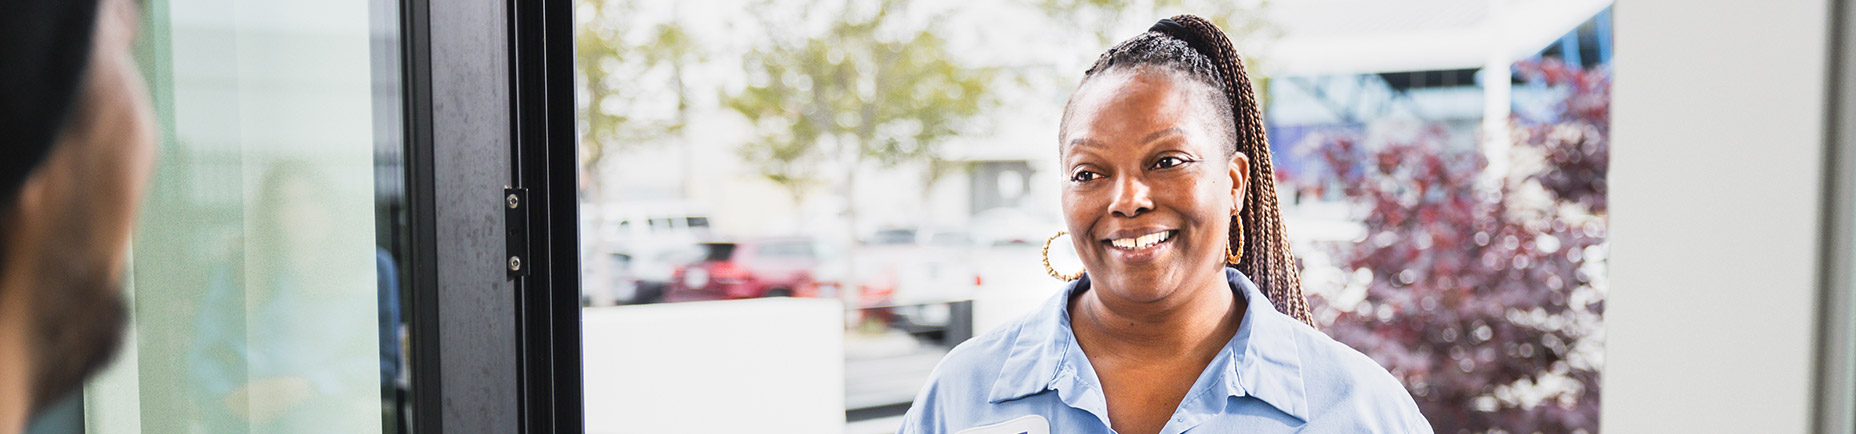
(1576, 139)
(1242, 21)
(870, 88)
(1247, 23)
(631, 76)
(1486, 301)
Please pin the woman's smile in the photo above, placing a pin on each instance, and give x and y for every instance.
(1138, 246)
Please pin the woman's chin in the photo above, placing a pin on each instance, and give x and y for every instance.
(1139, 285)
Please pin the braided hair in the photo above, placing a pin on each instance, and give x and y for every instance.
(1195, 48)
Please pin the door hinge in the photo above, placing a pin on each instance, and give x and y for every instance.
(515, 219)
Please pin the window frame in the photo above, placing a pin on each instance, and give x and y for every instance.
(1835, 395)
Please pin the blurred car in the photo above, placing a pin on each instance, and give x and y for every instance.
(638, 277)
(639, 243)
(909, 275)
(919, 265)
(652, 272)
(613, 286)
(762, 267)
(932, 237)
(633, 223)
(832, 277)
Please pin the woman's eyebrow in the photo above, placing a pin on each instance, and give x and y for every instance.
(1157, 135)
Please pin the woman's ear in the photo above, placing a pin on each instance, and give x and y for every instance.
(1240, 181)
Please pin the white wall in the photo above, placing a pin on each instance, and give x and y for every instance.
(771, 365)
(1716, 176)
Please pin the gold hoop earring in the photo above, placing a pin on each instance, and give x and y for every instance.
(1234, 252)
(1053, 271)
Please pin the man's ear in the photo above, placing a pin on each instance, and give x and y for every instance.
(25, 220)
(1240, 181)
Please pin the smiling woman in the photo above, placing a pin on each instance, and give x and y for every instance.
(1166, 167)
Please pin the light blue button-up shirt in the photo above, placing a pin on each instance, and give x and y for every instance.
(1276, 375)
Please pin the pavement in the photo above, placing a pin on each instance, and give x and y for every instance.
(886, 369)
(886, 425)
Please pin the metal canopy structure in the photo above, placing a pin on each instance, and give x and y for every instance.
(1339, 37)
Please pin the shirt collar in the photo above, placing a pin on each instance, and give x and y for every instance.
(1261, 360)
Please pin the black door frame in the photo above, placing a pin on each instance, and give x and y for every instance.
(421, 311)
(489, 105)
(545, 164)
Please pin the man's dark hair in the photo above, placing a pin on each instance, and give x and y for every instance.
(1194, 48)
(44, 51)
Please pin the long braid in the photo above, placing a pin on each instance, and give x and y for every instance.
(1266, 259)
(1263, 216)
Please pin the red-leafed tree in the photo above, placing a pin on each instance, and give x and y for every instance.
(1483, 293)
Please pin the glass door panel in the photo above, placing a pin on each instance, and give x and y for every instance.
(266, 267)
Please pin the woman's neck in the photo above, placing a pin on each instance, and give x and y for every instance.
(1195, 321)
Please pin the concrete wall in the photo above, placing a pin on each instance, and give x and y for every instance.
(763, 366)
(1719, 126)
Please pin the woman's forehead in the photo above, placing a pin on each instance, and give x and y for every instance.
(1134, 106)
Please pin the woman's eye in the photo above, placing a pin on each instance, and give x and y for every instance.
(1084, 176)
(1169, 161)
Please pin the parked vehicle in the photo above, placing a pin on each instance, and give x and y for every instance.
(764, 267)
(614, 286)
(640, 243)
(921, 265)
(651, 271)
(911, 274)
(629, 223)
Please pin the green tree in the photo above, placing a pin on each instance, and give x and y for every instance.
(1246, 22)
(1243, 20)
(632, 80)
(872, 88)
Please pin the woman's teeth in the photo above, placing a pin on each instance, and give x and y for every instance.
(1142, 242)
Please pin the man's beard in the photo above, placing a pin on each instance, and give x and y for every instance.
(78, 319)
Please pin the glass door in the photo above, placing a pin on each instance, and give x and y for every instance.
(268, 268)
(791, 211)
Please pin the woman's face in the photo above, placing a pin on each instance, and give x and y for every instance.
(1148, 193)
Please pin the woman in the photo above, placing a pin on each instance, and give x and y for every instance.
(1170, 204)
(280, 344)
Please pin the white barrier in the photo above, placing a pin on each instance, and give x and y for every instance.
(763, 366)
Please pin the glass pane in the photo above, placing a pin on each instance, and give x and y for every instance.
(912, 147)
(266, 266)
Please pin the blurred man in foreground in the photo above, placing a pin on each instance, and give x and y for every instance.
(76, 144)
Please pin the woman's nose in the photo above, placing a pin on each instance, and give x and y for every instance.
(1132, 197)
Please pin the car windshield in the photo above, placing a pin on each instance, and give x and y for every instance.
(950, 239)
(718, 251)
(684, 254)
(893, 236)
(786, 249)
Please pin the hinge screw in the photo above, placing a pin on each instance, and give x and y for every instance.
(515, 263)
(512, 201)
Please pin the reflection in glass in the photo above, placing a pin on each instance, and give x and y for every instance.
(308, 354)
(265, 277)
